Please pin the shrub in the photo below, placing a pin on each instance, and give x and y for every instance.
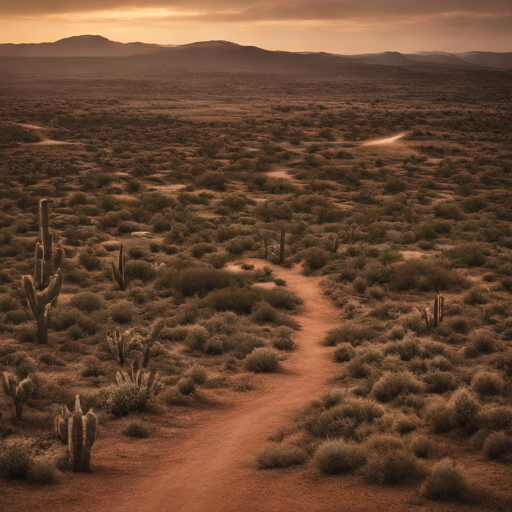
(263, 312)
(137, 429)
(360, 285)
(7, 303)
(186, 386)
(482, 341)
(197, 337)
(140, 270)
(214, 346)
(475, 296)
(89, 261)
(281, 456)
(479, 438)
(439, 382)
(43, 472)
(446, 481)
(349, 332)
(334, 457)
(126, 398)
(262, 360)
(376, 292)
(87, 302)
(497, 445)
(496, 417)
(344, 352)
(422, 446)
(283, 343)
(15, 459)
(199, 374)
(92, 367)
(391, 384)
(393, 466)
(487, 384)
(466, 408)
(316, 258)
(122, 313)
(473, 204)
(440, 417)
(199, 280)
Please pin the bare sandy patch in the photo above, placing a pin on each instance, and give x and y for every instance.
(383, 142)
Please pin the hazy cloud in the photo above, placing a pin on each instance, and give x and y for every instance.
(253, 10)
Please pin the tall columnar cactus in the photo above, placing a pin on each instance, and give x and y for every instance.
(47, 260)
(120, 343)
(81, 436)
(42, 291)
(19, 391)
(61, 424)
(147, 340)
(333, 242)
(434, 320)
(281, 247)
(120, 271)
(41, 302)
(147, 382)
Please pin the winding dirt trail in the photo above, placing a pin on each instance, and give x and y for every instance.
(387, 140)
(214, 469)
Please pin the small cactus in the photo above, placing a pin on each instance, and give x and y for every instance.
(146, 341)
(61, 424)
(120, 343)
(433, 321)
(120, 270)
(82, 432)
(19, 391)
(148, 382)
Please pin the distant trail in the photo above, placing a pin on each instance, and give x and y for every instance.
(388, 140)
(45, 141)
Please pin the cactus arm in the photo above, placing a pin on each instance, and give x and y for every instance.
(44, 230)
(30, 293)
(58, 257)
(89, 430)
(52, 291)
(38, 266)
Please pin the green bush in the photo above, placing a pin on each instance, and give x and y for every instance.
(137, 253)
(393, 384)
(334, 457)
(87, 302)
(316, 258)
(422, 446)
(199, 374)
(350, 332)
(360, 285)
(281, 456)
(466, 409)
(446, 481)
(262, 360)
(344, 352)
(186, 386)
(197, 336)
(263, 312)
(440, 417)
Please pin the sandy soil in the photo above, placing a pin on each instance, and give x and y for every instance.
(283, 173)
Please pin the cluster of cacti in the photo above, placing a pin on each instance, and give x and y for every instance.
(42, 291)
(19, 391)
(147, 340)
(80, 436)
(433, 320)
(147, 382)
(120, 271)
(120, 343)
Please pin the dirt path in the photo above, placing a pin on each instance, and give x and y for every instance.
(214, 469)
(387, 140)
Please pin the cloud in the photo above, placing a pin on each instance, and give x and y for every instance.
(254, 10)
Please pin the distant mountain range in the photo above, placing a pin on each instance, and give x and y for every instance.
(221, 54)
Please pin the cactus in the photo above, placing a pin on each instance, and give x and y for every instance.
(19, 391)
(120, 271)
(41, 302)
(148, 382)
(281, 246)
(61, 424)
(434, 320)
(265, 245)
(334, 242)
(46, 259)
(41, 291)
(120, 343)
(81, 436)
(146, 341)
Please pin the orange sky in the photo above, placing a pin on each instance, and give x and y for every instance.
(343, 26)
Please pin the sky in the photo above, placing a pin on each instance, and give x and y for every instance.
(336, 26)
